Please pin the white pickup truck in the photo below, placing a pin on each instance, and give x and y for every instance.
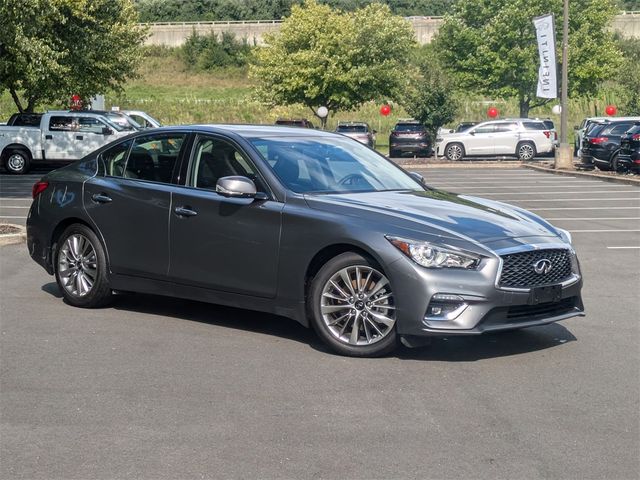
(61, 137)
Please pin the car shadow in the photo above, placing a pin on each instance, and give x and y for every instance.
(442, 349)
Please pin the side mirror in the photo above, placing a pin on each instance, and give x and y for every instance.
(374, 131)
(418, 177)
(576, 127)
(236, 187)
(472, 133)
(107, 131)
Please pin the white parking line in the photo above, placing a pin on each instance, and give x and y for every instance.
(503, 187)
(585, 208)
(563, 192)
(533, 200)
(592, 218)
(536, 182)
(622, 248)
(13, 206)
(12, 199)
(10, 216)
(594, 231)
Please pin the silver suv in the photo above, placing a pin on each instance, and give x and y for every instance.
(521, 137)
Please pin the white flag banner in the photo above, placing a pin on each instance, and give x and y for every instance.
(547, 74)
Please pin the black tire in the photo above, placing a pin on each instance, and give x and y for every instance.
(454, 152)
(388, 339)
(526, 151)
(393, 153)
(99, 294)
(17, 161)
(616, 166)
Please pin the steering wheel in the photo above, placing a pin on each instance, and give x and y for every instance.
(353, 179)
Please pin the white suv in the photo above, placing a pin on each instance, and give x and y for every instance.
(524, 138)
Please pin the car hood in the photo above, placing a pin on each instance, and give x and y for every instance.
(447, 213)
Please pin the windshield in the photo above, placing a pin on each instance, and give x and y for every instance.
(351, 129)
(331, 165)
(125, 122)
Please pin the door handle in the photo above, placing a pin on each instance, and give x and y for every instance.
(79, 137)
(101, 198)
(185, 212)
(48, 137)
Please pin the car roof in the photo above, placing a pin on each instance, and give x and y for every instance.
(245, 130)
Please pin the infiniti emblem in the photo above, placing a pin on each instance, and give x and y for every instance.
(542, 266)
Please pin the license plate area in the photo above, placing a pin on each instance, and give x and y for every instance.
(547, 294)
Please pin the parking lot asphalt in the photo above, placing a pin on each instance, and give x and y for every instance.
(159, 388)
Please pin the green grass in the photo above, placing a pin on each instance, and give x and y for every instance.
(175, 95)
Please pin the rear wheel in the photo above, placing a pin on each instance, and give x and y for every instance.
(17, 161)
(81, 268)
(352, 307)
(618, 166)
(526, 151)
(454, 151)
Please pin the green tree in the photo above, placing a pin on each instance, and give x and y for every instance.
(628, 75)
(324, 57)
(489, 46)
(429, 98)
(51, 49)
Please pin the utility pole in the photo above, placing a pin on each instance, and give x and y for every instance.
(564, 156)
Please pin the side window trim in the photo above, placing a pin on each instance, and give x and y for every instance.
(190, 160)
(103, 170)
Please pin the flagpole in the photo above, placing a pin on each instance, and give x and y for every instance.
(564, 156)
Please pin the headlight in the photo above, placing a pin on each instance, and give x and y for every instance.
(565, 235)
(435, 256)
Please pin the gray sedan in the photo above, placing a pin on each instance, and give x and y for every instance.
(301, 223)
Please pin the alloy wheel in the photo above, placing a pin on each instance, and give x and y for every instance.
(454, 152)
(77, 265)
(525, 152)
(357, 305)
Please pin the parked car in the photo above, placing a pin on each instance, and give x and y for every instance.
(523, 138)
(601, 143)
(359, 131)
(25, 120)
(60, 137)
(121, 119)
(295, 122)
(585, 125)
(305, 224)
(629, 156)
(142, 118)
(410, 136)
(464, 126)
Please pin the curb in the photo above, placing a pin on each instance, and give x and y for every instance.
(462, 164)
(606, 178)
(13, 238)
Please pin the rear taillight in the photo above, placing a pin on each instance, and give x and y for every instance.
(38, 188)
(635, 136)
(598, 140)
(547, 134)
(555, 135)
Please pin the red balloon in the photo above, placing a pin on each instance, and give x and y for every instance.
(611, 110)
(76, 102)
(492, 112)
(385, 110)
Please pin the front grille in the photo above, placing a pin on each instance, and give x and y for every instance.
(528, 312)
(518, 268)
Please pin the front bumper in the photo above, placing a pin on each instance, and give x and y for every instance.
(483, 307)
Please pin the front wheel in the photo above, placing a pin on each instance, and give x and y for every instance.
(352, 307)
(81, 268)
(454, 152)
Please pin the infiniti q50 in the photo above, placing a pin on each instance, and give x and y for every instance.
(301, 223)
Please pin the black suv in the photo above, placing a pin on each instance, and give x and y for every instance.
(295, 122)
(412, 137)
(629, 156)
(601, 143)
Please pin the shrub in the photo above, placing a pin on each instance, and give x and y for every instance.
(210, 52)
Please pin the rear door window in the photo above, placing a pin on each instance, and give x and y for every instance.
(535, 126)
(617, 129)
(63, 124)
(506, 127)
(114, 159)
(153, 157)
(482, 129)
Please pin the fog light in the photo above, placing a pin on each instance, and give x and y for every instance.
(444, 306)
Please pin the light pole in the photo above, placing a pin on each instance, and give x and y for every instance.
(564, 156)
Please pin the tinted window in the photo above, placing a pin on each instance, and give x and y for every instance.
(485, 129)
(617, 129)
(114, 159)
(153, 157)
(25, 120)
(535, 126)
(408, 127)
(593, 128)
(63, 124)
(506, 127)
(352, 129)
(331, 165)
(549, 124)
(90, 125)
(214, 158)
